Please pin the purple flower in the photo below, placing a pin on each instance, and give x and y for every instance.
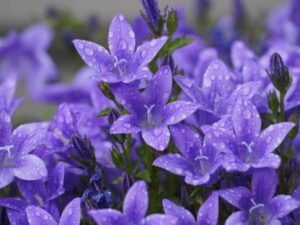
(25, 53)
(149, 112)
(123, 63)
(134, 210)
(15, 147)
(258, 206)
(37, 193)
(244, 145)
(197, 163)
(70, 215)
(207, 214)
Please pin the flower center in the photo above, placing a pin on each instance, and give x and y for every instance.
(149, 113)
(4, 152)
(248, 146)
(259, 214)
(120, 64)
(39, 199)
(202, 161)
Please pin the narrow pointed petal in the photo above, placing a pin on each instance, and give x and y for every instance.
(136, 202)
(108, 217)
(71, 214)
(17, 204)
(246, 120)
(273, 135)
(124, 125)
(38, 216)
(94, 55)
(183, 216)
(30, 167)
(157, 138)
(240, 218)
(264, 184)
(208, 213)
(239, 197)
(7, 176)
(156, 219)
(282, 205)
(174, 163)
(148, 50)
(178, 111)
(121, 37)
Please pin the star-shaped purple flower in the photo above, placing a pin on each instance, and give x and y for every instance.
(70, 215)
(258, 206)
(123, 63)
(149, 112)
(134, 210)
(197, 163)
(244, 145)
(15, 147)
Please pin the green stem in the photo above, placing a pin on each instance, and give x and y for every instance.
(127, 152)
(281, 116)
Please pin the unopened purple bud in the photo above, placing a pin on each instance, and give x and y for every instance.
(276, 64)
(112, 116)
(127, 181)
(169, 61)
(202, 7)
(152, 11)
(94, 22)
(238, 10)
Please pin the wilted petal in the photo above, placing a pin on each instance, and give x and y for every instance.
(7, 176)
(239, 197)
(246, 120)
(30, 167)
(178, 111)
(108, 217)
(148, 50)
(240, 218)
(174, 163)
(136, 202)
(124, 125)
(208, 213)
(156, 219)
(71, 213)
(38, 216)
(121, 37)
(282, 205)
(183, 216)
(273, 135)
(157, 138)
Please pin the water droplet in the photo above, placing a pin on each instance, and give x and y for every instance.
(89, 51)
(122, 44)
(153, 42)
(121, 17)
(131, 34)
(207, 83)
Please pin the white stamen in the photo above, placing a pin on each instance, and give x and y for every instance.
(248, 146)
(117, 65)
(58, 134)
(7, 148)
(149, 115)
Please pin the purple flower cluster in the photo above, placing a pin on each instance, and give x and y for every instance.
(169, 132)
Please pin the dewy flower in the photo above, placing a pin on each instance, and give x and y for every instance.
(15, 147)
(258, 207)
(149, 112)
(123, 63)
(245, 146)
(207, 214)
(134, 210)
(37, 193)
(197, 163)
(70, 215)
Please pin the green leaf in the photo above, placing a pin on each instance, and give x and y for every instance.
(104, 112)
(117, 158)
(171, 46)
(145, 175)
(117, 180)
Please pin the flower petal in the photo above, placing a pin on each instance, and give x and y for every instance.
(240, 218)
(17, 217)
(5, 127)
(197, 179)
(208, 213)
(239, 197)
(33, 191)
(30, 167)
(56, 182)
(124, 125)
(282, 205)
(71, 213)
(94, 55)
(17, 204)
(273, 135)
(178, 111)
(246, 120)
(7, 176)
(148, 50)
(269, 160)
(156, 219)
(183, 216)
(136, 202)
(38, 216)
(108, 217)
(157, 138)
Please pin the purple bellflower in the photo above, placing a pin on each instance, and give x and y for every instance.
(122, 63)
(70, 215)
(197, 163)
(134, 210)
(149, 112)
(207, 214)
(244, 145)
(15, 149)
(258, 206)
(37, 193)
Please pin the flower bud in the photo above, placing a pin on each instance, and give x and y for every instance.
(152, 11)
(127, 182)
